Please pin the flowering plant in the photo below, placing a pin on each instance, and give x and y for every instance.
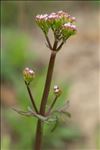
(62, 26)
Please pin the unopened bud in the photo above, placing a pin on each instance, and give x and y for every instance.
(41, 20)
(28, 75)
(57, 90)
(68, 29)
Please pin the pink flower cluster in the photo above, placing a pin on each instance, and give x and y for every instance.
(61, 23)
(55, 16)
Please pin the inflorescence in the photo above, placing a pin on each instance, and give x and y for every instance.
(61, 23)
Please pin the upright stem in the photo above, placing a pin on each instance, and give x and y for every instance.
(47, 83)
(39, 134)
(39, 131)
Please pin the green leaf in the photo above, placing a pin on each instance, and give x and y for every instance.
(55, 125)
(66, 113)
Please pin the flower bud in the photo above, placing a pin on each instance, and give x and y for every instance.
(68, 29)
(54, 21)
(41, 20)
(57, 90)
(28, 75)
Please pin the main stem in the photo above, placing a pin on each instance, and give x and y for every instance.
(39, 131)
(47, 83)
(39, 135)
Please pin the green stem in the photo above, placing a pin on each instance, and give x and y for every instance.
(53, 103)
(31, 97)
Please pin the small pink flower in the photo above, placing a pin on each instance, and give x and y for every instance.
(73, 18)
(41, 17)
(69, 26)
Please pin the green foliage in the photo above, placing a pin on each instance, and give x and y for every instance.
(8, 18)
(5, 143)
(98, 137)
(25, 127)
(15, 53)
(61, 135)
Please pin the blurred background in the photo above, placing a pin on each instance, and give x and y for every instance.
(76, 72)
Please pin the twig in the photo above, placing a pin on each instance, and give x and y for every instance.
(48, 41)
(54, 101)
(60, 46)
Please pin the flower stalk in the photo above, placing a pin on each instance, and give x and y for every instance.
(31, 97)
(53, 103)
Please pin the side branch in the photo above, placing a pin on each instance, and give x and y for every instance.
(52, 105)
(60, 46)
(31, 97)
(48, 41)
